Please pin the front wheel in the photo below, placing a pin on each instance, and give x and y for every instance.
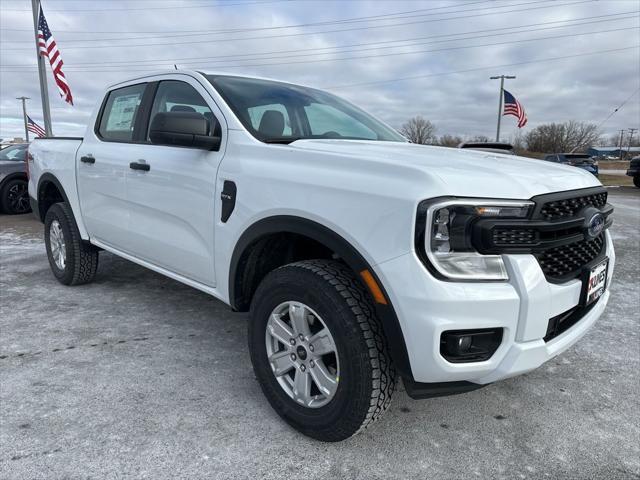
(318, 350)
(72, 260)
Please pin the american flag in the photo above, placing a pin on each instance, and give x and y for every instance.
(48, 48)
(513, 107)
(35, 128)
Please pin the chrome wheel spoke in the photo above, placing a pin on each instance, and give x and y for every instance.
(298, 315)
(279, 329)
(322, 343)
(302, 388)
(281, 363)
(324, 380)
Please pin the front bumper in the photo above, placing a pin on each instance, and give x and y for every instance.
(523, 306)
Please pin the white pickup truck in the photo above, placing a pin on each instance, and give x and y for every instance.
(361, 258)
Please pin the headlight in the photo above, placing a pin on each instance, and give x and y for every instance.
(448, 225)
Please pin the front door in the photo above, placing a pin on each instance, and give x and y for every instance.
(171, 199)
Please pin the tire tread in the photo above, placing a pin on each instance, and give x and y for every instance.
(342, 279)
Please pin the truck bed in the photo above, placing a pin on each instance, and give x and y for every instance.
(56, 154)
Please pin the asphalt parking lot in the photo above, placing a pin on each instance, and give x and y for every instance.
(138, 376)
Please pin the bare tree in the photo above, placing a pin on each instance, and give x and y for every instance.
(450, 140)
(562, 137)
(419, 130)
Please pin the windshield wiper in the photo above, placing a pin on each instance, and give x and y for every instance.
(282, 140)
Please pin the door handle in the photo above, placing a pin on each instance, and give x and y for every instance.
(87, 159)
(145, 167)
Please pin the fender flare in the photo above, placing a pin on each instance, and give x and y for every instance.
(48, 178)
(346, 251)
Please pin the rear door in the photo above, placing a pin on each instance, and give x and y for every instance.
(172, 203)
(103, 164)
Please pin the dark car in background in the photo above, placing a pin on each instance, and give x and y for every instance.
(634, 170)
(14, 196)
(580, 160)
(492, 147)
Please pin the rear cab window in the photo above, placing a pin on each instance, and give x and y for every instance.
(120, 112)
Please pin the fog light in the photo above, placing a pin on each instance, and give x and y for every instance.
(460, 346)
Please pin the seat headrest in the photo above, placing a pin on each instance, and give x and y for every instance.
(272, 124)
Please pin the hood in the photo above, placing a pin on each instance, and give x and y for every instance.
(462, 172)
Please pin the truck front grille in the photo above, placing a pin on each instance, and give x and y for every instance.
(515, 236)
(556, 233)
(566, 262)
(568, 207)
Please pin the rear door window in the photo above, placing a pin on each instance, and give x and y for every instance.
(120, 112)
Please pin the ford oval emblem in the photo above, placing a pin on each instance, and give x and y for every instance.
(595, 225)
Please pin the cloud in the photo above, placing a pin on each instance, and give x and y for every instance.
(584, 88)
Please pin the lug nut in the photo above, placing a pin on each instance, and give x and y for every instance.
(301, 337)
(311, 347)
(312, 364)
(292, 341)
(293, 357)
(302, 368)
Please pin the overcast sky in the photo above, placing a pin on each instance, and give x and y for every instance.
(395, 59)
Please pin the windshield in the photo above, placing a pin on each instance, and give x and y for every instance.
(15, 153)
(277, 112)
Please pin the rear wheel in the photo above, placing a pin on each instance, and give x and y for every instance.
(318, 350)
(72, 260)
(15, 197)
(636, 181)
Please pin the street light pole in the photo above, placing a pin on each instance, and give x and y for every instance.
(500, 99)
(24, 116)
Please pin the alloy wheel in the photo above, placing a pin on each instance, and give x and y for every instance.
(302, 354)
(58, 246)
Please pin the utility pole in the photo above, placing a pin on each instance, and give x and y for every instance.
(24, 116)
(42, 73)
(621, 136)
(631, 130)
(500, 99)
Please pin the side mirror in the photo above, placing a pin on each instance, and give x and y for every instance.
(183, 129)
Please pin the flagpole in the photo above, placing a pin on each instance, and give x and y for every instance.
(500, 98)
(42, 73)
(24, 116)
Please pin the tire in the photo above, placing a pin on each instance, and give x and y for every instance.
(365, 377)
(636, 181)
(15, 197)
(80, 259)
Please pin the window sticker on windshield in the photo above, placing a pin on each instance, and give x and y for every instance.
(122, 112)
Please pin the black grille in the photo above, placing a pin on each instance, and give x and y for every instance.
(566, 261)
(514, 236)
(570, 206)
